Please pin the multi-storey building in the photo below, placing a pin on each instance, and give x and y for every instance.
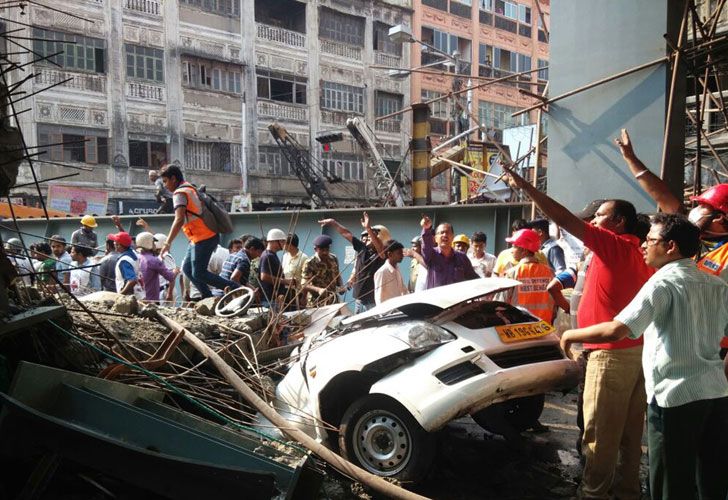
(137, 84)
(489, 38)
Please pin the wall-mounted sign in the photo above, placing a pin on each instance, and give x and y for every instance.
(77, 201)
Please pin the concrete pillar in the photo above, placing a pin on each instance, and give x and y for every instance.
(313, 96)
(115, 88)
(421, 194)
(173, 81)
(249, 107)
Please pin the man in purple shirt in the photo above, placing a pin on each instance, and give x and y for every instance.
(151, 267)
(444, 264)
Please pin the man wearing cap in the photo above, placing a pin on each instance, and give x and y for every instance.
(321, 276)
(63, 258)
(388, 282)
(127, 277)
(203, 240)
(534, 276)
(418, 270)
(553, 252)
(444, 264)
(482, 261)
(270, 273)
(85, 236)
(369, 257)
(152, 267)
(710, 214)
(614, 392)
(461, 243)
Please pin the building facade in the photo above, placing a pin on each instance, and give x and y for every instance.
(132, 85)
(486, 39)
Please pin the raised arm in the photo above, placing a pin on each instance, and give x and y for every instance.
(553, 209)
(648, 181)
(339, 228)
(373, 236)
(428, 240)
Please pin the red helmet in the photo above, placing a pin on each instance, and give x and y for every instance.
(526, 238)
(716, 197)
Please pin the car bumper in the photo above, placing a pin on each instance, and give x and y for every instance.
(434, 403)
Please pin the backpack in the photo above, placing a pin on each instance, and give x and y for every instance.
(213, 213)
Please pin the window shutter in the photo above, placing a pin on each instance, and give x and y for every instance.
(57, 150)
(90, 149)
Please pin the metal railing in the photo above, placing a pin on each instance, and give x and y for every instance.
(386, 59)
(148, 92)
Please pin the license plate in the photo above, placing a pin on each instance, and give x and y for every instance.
(516, 333)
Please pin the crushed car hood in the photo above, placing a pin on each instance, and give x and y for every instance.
(436, 300)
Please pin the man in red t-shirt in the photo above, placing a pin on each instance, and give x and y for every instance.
(614, 393)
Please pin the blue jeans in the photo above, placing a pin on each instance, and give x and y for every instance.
(195, 267)
(360, 307)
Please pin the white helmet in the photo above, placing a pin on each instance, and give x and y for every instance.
(276, 235)
(160, 239)
(145, 240)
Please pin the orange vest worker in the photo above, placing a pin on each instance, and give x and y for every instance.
(194, 227)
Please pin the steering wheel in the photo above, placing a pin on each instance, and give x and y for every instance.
(235, 302)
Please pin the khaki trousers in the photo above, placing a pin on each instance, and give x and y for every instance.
(614, 414)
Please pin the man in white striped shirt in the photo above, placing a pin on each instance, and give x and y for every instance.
(683, 315)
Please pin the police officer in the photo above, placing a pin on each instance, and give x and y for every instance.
(321, 276)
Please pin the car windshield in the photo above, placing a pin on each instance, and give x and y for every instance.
(492, 313)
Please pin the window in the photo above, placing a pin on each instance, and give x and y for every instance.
(485, 60)
(211, 75)
(387, 103)
(342, 97)
(505, 8)
(498, 116)
(485, 114)
(447, 44)
(213, 156)
(543, 74)
(145, 63)
(461, 8)
(437, 4)
(281, 87)
(342, 28)
(145, 153)
(438, 109)
(486, 5)
(348, 167)
(76, 52)
(72, 144)
(382, 42)
(272, 162)
(524, 14)
(222, 7)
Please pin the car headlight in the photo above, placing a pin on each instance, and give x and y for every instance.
(422, 335)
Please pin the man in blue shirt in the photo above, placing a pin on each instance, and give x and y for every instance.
(127, 277)
(237, 266)
(554, 253)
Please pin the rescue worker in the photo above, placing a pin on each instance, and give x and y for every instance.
(203, 240)
(85, 236)
(321, 276)
(461, 243)
(710, 214)
(534, 276)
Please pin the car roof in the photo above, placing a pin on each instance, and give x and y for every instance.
(435, 300)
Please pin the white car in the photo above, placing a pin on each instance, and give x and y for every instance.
(388, 378)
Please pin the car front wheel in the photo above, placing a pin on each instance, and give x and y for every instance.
(381, 436)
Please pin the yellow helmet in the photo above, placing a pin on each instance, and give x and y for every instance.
(461, 238)
(88, 220)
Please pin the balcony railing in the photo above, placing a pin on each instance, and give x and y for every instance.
(80, 81)
(506, 24)
(283, 111)
(145, 91)
(437, 4)
(340, 49)
(281, 35)
(152, 7)
(389, 125)
(335, 117)
(385, 59)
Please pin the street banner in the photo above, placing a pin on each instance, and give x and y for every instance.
(77, 201)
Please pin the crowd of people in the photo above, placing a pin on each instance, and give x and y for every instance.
(648, 303)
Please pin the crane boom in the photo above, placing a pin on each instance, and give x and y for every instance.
(299, 159)
(384, 184)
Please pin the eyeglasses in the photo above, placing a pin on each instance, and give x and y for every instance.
(653, 241)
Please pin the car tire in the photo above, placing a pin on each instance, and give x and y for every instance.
(382, 437)
(519, 413)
